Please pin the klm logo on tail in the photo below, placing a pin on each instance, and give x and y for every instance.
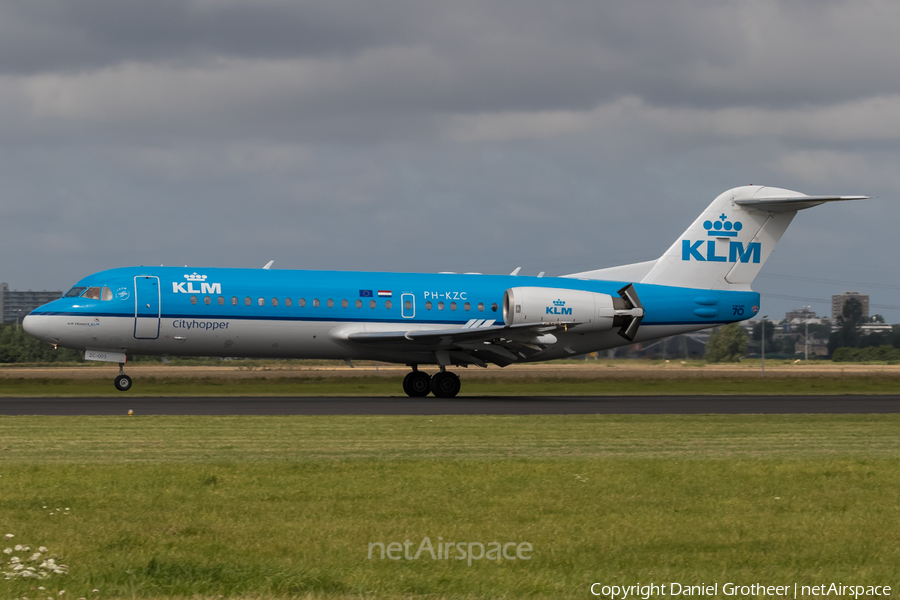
(721, 228)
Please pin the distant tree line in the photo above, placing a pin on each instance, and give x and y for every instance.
(726, 344)
(16, 346)
(850, 335)
(785, 344)
(867, 354)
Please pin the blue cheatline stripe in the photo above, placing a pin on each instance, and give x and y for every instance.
(49, 313)
(265, 318)
(499, 319)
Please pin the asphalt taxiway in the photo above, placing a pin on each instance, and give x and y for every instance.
(545, 405)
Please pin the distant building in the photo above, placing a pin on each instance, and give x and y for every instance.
(794, 320)
(816, 347)
(838, 301)
(804, 314)
(14, 304)
(876, 328)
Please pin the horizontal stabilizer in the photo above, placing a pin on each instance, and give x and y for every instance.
(790, 203)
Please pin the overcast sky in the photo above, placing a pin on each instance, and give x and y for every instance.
(444, 136)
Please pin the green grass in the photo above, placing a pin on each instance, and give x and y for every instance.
(704, 384)
(286, 507)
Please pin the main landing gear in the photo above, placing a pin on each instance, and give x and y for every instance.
(443, 385)
(122, 381)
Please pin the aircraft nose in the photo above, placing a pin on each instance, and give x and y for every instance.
(40, 327)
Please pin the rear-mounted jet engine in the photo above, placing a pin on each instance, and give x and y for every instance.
(588, 312)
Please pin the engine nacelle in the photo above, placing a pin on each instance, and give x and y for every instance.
(591, 311)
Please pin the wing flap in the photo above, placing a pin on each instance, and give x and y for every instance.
(499, 344)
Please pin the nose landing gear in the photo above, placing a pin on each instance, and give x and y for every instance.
(122, 381)
(443, 385)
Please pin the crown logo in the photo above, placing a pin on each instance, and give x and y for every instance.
(559, 303)
(722, 227)
(194, 277)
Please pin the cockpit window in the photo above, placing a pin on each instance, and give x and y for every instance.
(74, 292)
(94, 293)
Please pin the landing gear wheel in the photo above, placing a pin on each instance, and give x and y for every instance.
(445, 385)
(417, 384)
(123, 383)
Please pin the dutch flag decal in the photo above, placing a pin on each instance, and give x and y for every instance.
(384, 293)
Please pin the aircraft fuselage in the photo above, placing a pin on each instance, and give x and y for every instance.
(306, 314)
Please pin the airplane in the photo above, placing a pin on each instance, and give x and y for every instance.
(446, 319)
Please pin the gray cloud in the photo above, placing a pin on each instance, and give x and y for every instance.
(471, 56)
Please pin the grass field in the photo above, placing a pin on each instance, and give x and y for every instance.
(286, 507)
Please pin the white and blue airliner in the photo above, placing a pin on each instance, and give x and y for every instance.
(446, 319)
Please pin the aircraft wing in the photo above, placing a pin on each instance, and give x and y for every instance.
(471, 344)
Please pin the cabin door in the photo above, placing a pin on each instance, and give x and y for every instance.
(146, 307)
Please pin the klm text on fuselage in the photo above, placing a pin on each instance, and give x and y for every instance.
(736, 251)
(205, 288)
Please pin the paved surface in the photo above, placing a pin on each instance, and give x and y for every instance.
(584, 405)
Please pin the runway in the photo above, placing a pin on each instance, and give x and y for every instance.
(561, 405)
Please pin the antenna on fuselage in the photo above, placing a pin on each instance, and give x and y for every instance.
(269, 265)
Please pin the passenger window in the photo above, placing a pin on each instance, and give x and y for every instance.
(481, 307)
(207, 301)
(344, 303)
(261, 301)
(316, 302)
(248, 301)
(287, 301)
(193, 299)
(234, 300)
(106, 294)
(92, 293)
(301, 302)
(330, 303)
(494, 307)
(407, 305)
(440, 306)
(387, 304)
(372, 304)
(467, 306)
(453, 306)
(74, 292)
(428, 305)
(359, 304)
(274, 301)
(221, 301)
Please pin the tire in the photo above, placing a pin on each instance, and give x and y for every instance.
(445, 385)
(123, 383)
(417, 384)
